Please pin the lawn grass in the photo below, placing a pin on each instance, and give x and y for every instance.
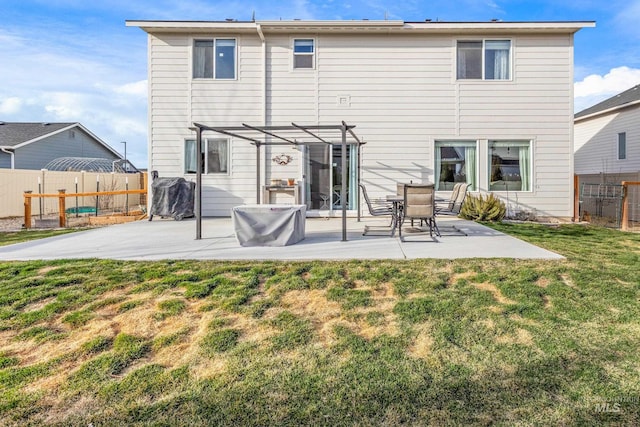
(426, 342)
(9, 238)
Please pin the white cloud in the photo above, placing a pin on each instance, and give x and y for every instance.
(595, 88)
(615, 81)
(136, 89)
(10, 105)
(64, 106)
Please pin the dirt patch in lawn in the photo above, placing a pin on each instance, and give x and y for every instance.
(497, 295)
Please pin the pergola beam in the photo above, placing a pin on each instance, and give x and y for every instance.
(239, 132)
(304, 129)
(226, 131)
(266, 132)
(350, 130)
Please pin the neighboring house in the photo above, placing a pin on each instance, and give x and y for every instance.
(487, 103)
(607, 140)
(34, 145)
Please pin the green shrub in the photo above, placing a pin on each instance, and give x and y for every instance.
(479, 208)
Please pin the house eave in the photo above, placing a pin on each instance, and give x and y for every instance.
(360, 26)
(607, 111)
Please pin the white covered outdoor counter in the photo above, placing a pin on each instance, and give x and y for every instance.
(269, 225)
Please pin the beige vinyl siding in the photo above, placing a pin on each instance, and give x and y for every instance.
(292, 96)
(535, 105)
(403, 96)
(596, 143)
(168, 101)
(177, 100)
(400, 94)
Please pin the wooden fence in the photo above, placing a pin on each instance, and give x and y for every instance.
(631, 206)
(62, 204)
(622, 212)
(14, 182)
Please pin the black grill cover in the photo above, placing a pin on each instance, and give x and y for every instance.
(172, 197)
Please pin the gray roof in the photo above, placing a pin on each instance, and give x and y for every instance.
(619, 100)
(12, 133)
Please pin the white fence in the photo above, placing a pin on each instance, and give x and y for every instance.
(14, 182)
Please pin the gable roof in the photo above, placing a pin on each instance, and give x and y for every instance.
(12, 134)
(625, 99)
(18, 134)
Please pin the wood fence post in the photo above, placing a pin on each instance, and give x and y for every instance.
(27, 209)
(61, 208)
(625, 208)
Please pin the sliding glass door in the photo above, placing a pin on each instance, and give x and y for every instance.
(323, 177)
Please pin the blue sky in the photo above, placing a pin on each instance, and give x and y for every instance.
(74, 60)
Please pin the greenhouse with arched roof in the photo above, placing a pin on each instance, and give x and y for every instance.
(87, 164)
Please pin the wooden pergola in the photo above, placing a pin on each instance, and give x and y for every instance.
(289, 135)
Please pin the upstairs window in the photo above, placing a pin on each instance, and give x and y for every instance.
(303, 53)
(484, 60)
(214, 157)
(214, 59)
(622, 146)
(203, 59)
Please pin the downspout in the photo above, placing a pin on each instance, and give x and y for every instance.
(264, 111)
(12, 154)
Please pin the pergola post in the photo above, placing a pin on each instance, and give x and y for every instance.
(343, 190)
(358, 183)
(199, 184)
(258, 192)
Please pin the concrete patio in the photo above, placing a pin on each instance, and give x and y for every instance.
(168, 239)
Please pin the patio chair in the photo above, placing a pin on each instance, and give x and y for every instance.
(419, 204)
(447, 204)
(378, 208)
(453, 206)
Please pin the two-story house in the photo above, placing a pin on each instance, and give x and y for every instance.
(607, 139)
(487, 103)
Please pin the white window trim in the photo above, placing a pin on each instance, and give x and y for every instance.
(531, 165)
(618, 146)
(235, 63)
(205, 142)
(483, 40)
(313, 54)
(463, 141)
